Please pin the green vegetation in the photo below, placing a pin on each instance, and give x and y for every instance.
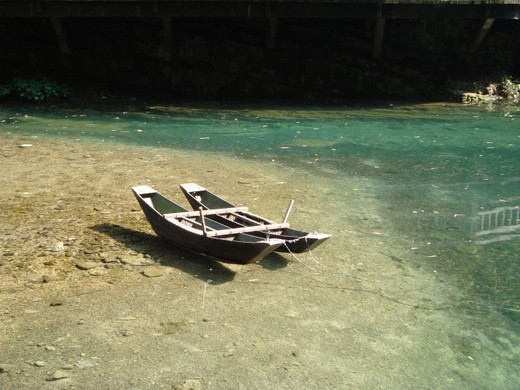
(511, 90)
(35, 89)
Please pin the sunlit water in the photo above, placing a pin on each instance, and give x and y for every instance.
(446, 178)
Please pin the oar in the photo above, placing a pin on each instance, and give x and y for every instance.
(286, 216)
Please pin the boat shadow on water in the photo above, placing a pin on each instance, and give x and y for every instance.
(161, 252)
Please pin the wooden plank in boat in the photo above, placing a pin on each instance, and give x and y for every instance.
(189, 214)
(246, 229)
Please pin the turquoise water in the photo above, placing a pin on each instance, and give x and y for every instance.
(434, 169)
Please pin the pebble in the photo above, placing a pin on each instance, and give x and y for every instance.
(189, 384)
(153, 272)
(39, 363)
(135, 261)
(59, 374)
(58, 247)
(5, 367)
(228, 353)
(97, 272)
(86, 265)
(85, 364)
(47, 279)
(110, 259)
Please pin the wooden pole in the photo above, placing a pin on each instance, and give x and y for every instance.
(203, 221)
(60, 35)
(286, 216)
(486, 26)
(379, 31)
(272, 25)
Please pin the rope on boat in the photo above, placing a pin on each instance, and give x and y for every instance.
(332, 271)
(335, 272)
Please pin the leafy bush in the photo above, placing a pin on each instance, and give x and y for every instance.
(511, 90)
(35, 89)
(4, 90)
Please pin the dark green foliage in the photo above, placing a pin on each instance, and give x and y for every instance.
(5, 89)
(35, 89)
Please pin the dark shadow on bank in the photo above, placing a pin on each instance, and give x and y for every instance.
(273, 262)
(194, 264)
(163, 253)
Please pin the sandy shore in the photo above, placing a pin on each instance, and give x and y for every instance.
(90, 298)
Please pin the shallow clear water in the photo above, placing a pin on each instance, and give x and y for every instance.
(446, 178)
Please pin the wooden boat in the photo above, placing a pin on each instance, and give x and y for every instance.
(196, 231)
(295, 241)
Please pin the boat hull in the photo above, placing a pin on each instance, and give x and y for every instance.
(236, 248)
(295, 241)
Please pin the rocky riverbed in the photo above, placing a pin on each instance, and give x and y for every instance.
(90, 298)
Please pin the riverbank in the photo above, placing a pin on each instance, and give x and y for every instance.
(91, 298)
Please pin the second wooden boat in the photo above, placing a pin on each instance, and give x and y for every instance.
(295, 241)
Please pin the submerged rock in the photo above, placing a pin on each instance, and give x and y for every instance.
(135, 261)
(59, 374)
(58, 247)
(85, 364)
(153, 272)
(5, 367)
